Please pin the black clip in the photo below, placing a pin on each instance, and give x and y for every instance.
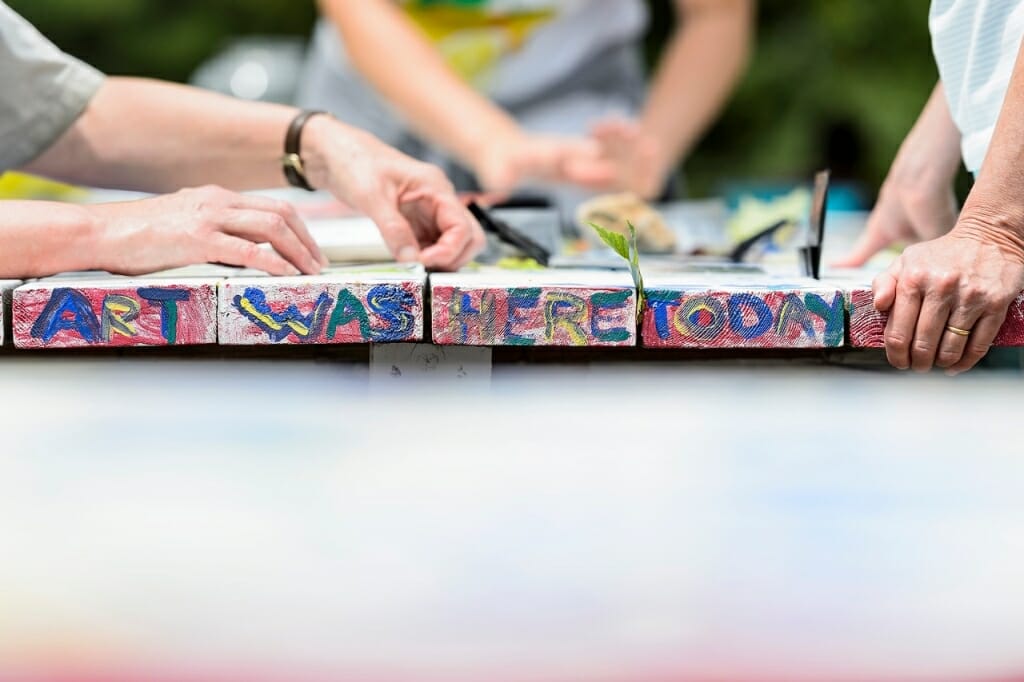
(510, 235)
(810, 255)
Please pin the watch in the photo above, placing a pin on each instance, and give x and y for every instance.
(291, 162)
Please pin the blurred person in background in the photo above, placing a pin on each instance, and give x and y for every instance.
(63, 119)
(529, 91)
(948, 296)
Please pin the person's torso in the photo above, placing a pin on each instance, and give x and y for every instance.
(513, 50)
(976, 44)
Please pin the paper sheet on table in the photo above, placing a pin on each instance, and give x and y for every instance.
(349, 240)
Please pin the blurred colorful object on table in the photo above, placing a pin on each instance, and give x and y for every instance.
(24, 186)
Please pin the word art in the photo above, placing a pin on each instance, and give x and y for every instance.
(70, 313)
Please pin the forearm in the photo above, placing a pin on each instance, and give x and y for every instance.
(39, 238)
(995, 207)
(413, 77)
(152, 136)
(930, 155)
(701, 65)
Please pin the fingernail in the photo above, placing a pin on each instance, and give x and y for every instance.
(408, 254)
(951, 372)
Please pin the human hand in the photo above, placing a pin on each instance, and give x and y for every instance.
(413, 204)
(512, 159)
(916, 202)
(906, 211)
(631, 160)
(203, 225)
(964, 280)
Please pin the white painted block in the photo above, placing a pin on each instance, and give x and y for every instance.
(533, 308)
(370, 304)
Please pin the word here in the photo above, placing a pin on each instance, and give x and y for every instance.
(534, 308)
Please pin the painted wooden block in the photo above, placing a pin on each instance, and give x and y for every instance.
(6, 287)
(111, 311)
(867, 325)
(534, 308)
(344, 305)
(741, 311)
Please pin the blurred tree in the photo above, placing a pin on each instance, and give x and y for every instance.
(160, 38)
(832, 82)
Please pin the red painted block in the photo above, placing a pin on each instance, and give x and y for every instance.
(69, 312)
(533, 308)
(346, 305)
(714, 311)
(867, 325)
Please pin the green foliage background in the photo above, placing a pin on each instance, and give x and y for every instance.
(835, 82)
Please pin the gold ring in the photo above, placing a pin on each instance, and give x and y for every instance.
(957, 330)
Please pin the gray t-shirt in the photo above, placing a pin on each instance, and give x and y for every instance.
(42, 90)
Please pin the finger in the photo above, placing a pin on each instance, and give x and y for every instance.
(614, 127)
(899, 330)
(394, 228)
(264, 227)
(884, 287)
(461, 238)
(931, 323)
(870, 242)
(952, 347)
(596, 175)
(979, 342)
(224, 248)
(450, 263)
(291, 217)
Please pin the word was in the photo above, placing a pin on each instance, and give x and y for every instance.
(264, 312)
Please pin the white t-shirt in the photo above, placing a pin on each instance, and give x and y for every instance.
(976, 44)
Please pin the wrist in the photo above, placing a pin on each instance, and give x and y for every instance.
(318, 134)
(491, 152)
(999, 227)
(93, 239)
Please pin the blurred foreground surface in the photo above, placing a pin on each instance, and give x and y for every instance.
(283, 521)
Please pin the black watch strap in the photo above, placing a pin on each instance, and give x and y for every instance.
(294, 169)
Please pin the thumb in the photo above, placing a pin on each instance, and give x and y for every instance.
(870, 242)
(395, 230)
(884, 287)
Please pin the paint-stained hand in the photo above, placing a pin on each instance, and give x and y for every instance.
(204, 225)
(966, 280)
(413, 204)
